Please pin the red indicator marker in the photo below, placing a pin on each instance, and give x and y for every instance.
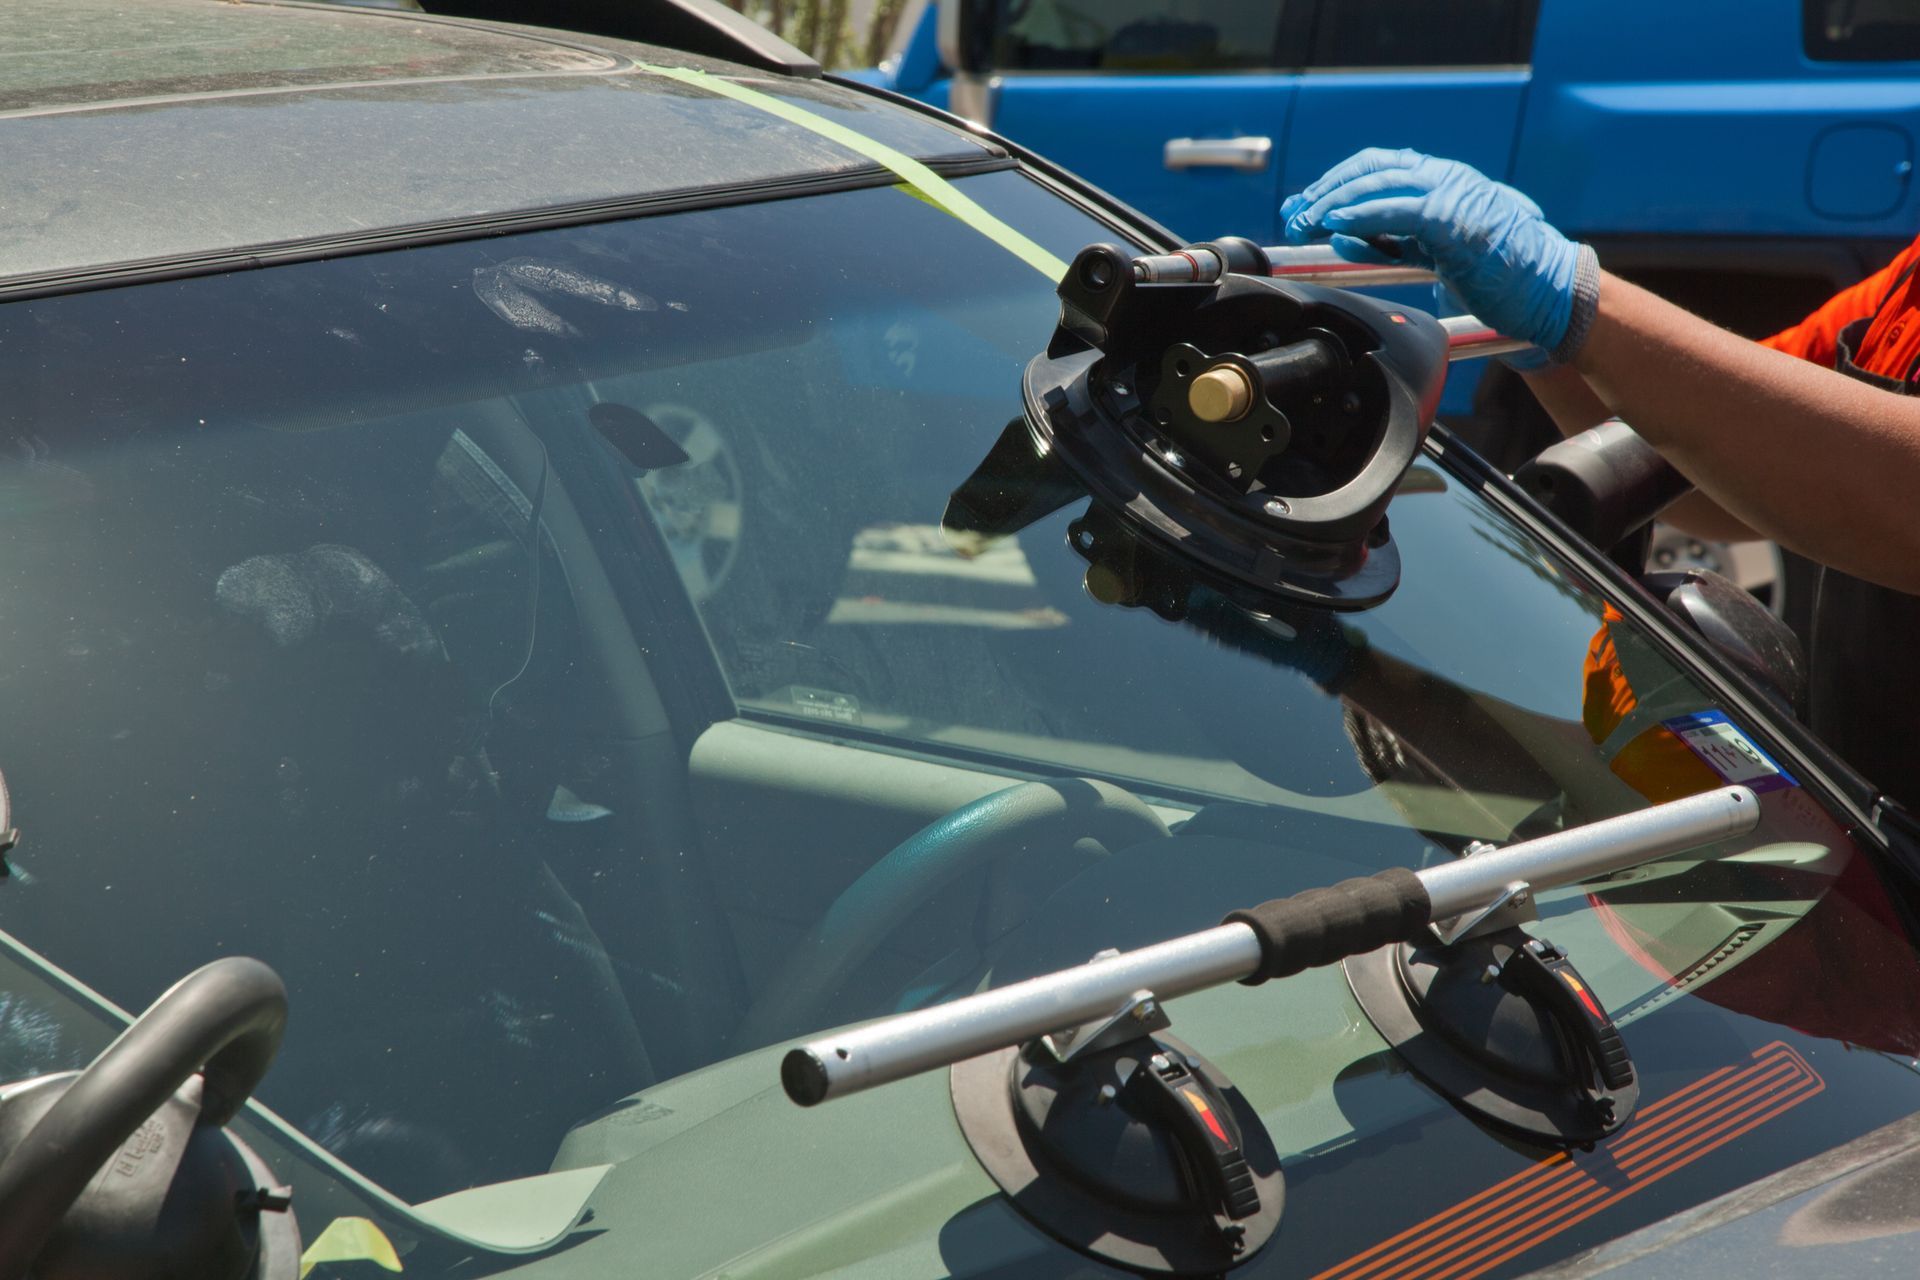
(1212, 1122)
(1574, 984)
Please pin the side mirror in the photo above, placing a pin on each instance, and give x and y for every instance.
(1606, 483)
(1741, 628)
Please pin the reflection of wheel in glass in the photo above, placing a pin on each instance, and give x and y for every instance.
(697, 503)
(1754, 566)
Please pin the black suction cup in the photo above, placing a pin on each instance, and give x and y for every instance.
(1252, 432)
(1504, 1027)
(1141, 1154)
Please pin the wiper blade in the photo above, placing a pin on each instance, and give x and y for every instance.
(1315, 927)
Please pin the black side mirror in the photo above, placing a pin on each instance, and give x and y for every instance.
(1607, 484)
(1740, 627)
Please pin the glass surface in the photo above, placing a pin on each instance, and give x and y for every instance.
(1861, 30)
(1423, 33)
(524, 645)
(1135, 35)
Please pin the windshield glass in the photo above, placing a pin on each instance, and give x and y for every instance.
(544, 652)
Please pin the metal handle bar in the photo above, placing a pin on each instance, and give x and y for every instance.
(1311, 263)
(1468, 337)
(893, 1048)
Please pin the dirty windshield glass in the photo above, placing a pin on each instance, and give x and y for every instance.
(544, 652)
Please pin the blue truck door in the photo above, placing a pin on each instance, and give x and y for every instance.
(1179, 107)
(1448, 77)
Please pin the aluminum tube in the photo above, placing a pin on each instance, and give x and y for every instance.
(1319, 264)
(1185, 267)
(1568, 857)
(898, 1047)
(1469, 337)
(895, 1048)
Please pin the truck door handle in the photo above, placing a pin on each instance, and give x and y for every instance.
(1250, 154)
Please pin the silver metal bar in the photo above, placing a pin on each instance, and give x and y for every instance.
(1319, 264)
(1250, 154)
(1186, 266)
(898, 1047)
(893, 1048)
(1612, 844)
(1469, 338)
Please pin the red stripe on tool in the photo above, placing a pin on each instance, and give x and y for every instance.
(1585, 999)
(1206, 1113)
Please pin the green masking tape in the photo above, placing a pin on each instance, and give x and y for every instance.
(929, 185)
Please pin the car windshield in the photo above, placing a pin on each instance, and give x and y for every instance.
(544, 651)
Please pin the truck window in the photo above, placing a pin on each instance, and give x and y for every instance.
(1137, 35)
(1861, 30)
(1424, 33)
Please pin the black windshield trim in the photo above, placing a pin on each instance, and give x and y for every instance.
(250, 257)
(1812, 761)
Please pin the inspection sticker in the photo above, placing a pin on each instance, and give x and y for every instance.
(1728, 751)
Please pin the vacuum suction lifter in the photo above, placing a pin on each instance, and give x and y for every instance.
(1232, 428)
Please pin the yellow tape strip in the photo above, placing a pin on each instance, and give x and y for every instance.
(930, 185)
(350, 1240)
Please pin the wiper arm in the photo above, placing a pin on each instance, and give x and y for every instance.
(1315, 927)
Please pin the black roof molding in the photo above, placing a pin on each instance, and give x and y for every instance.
(704, 27)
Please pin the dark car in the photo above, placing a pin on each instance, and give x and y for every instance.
(539, 540)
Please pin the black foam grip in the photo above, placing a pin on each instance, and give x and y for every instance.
(1320, 926)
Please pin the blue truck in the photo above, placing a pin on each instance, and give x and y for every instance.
(1744, 157)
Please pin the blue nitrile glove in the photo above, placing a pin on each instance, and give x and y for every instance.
(1489, 243)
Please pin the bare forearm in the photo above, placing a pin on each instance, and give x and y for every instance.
(1821, 463)
(1575, 406)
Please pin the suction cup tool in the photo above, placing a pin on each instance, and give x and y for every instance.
(1504, 1026)
(1139, 1154)
(1253, 430)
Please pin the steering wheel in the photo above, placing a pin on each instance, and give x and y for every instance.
(58, 1132)
(1030, 819)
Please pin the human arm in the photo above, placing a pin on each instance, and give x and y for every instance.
(1574, 407)
(1819, 462)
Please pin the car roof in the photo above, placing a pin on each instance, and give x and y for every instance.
(178, 135)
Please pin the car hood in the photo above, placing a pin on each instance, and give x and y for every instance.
(1852, 1211)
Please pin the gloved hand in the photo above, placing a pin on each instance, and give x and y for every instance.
(1489, 243)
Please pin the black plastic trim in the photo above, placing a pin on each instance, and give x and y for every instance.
(414, 235)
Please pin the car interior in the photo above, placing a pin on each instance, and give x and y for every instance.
(559, 738)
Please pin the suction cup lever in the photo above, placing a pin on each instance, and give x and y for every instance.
(1203, 1129)
(1542, 970)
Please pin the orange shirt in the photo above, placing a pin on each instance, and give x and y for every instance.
(1891, 347)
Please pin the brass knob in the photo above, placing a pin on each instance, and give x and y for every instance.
(1223, 393)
